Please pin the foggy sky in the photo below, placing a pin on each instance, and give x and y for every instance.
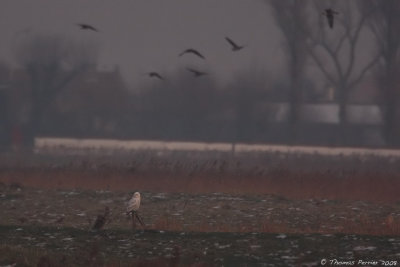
(147, 35)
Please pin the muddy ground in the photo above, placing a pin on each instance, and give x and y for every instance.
(65, 246)
(185, 229)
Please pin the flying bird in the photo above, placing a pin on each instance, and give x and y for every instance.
(197, 73)
(235, 47)
(193, 51)
(330, 15)
(132, 209)
(155, 75)
(84, 26)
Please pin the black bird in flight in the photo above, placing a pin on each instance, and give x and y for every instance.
(193, 51)
(235, 47)
(84, 26)
(330, 15)
(155, 75)
(196, 73)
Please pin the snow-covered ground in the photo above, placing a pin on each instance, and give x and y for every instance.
(51, 144)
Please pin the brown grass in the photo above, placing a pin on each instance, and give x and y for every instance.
(339, 179)
(375, 186)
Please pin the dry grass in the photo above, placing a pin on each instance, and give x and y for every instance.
(295, 179)
(291, 184)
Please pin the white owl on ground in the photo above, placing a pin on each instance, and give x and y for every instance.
(134, 203)
(132, 209)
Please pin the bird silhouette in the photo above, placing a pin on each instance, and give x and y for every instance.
(196, 73)
(84, 26)
(22, 220)
(101, 219)
(154, 74)
(59, 220)
(235, 47)
(330, 15)
(192, 51)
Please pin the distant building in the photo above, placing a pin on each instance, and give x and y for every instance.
(328, 113)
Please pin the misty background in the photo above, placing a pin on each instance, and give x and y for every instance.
(296, 81)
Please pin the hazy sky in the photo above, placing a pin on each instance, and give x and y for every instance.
(147, 35)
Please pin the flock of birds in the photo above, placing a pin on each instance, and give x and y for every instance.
(134, 203)
(329, 13)
(196, 73)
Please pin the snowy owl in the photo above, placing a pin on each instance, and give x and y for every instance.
(134, 203)
(132, 209)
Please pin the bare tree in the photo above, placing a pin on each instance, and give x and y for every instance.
(291, 18)
(335, 51)
(384, 24)
(51, 62)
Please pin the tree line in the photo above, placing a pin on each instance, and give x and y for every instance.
(62, 100)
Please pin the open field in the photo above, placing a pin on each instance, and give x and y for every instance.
(185, 229)
(200, 209)
(50, 246)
